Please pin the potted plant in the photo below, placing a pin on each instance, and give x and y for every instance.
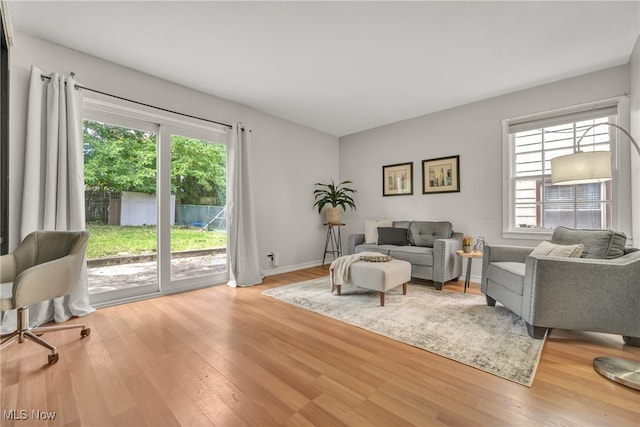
(466, 243)
(336, 197)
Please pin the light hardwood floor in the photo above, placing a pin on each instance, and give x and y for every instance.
(233, 357)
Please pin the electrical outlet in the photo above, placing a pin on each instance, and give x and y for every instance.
(272, 259)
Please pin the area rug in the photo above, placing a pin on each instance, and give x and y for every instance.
(457, 326)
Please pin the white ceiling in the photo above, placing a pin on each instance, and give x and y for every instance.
(343, 67)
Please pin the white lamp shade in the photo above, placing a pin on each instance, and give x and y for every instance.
(581, 168)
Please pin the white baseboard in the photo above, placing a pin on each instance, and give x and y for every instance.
(290, 268)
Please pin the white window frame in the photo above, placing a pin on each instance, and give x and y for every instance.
(509, 229)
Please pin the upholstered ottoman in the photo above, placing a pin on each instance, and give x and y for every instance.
(379, 276)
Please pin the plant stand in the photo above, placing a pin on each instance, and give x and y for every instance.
(333, 241)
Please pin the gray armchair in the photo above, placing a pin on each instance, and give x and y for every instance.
(45, 266)
(598, 293)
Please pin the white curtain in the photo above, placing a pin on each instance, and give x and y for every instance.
(53, 187)
(242, 247)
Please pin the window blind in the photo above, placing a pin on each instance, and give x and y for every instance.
(578, 116)
(536, 203)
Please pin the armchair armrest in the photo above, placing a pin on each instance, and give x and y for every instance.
(48, 280)
(354, 240)
(7, 268)
(599, 295)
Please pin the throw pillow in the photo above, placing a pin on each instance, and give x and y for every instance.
(551, 249)
(371, 229)
(393, 236)
(599, 244)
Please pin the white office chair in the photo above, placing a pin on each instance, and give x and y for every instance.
(45, 266)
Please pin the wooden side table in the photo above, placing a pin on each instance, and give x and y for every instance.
(470, 256)
(333, 241)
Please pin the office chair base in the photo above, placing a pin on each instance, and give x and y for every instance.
(25, 333)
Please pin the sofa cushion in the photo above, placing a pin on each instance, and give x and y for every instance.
(393, 236)
(371, 229)
(597, 243)
(425, 233)
(416, 255)
(551, 249)
(508, 274)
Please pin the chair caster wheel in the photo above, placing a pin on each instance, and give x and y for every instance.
(53, 358)
(85, 332)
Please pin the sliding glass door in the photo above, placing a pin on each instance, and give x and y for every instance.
(195, 223)
(121, 215)
(155, 206)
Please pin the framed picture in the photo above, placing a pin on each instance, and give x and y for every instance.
(441, 175)
(397, 180)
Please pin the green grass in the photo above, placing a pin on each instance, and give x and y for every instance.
(114, 240)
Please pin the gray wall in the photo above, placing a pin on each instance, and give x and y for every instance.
(288, 158)
(474, 132)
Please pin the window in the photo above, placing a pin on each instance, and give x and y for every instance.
(534, 206)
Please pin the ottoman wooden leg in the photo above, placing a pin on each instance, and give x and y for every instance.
(382, 299)
(339, 288)
(404, 289)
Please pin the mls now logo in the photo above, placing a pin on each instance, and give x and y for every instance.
(23, 414)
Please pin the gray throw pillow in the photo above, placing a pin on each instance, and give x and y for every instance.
(392, 236)
(551, 249)
(599, 244)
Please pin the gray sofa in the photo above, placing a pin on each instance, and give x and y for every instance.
(429, 246)
(597, 291)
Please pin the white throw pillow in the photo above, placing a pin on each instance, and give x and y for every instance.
(371, 229)
(551, 249)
